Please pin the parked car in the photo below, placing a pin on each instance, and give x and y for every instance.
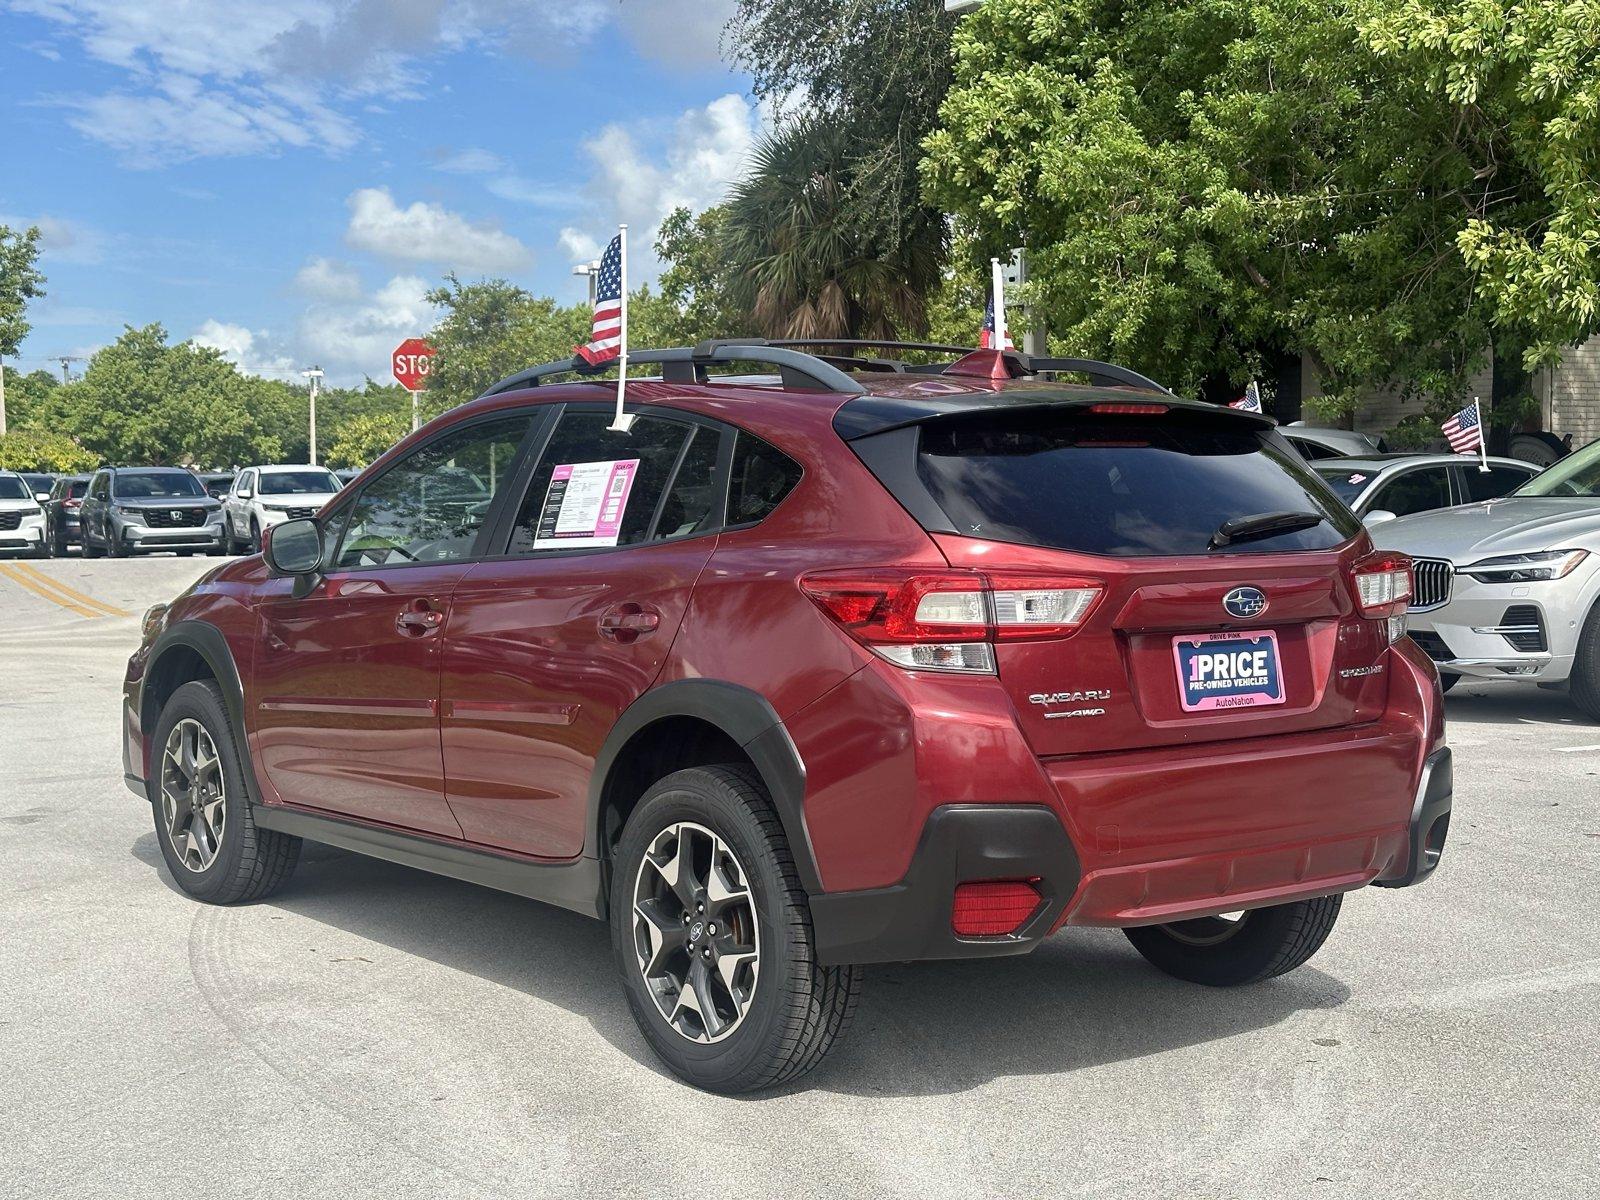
(40, 482)
(346, 475)
(217, 483)
(815, 670)
(262, 497)
(21, 518)
(1315, 443)
(1383, 486)
(140, 510)
(1507, 590)
(61, 525)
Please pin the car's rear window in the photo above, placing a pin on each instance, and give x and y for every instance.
(1119, 485)
(1347, 484)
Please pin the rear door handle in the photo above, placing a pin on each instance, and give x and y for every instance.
(628, 623)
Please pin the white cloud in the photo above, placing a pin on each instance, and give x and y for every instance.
(355, 339)
(251, 352)
(472, 161)
(706, 150)
(580, 247)
(423, 232)
(327, 279)
(229, 77)
(62, 239)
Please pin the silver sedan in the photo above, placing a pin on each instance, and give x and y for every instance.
(1507, 589)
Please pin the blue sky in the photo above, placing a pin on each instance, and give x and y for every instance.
(284, 178)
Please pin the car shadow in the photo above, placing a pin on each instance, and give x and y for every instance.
(1508, 703)
(1083, 999)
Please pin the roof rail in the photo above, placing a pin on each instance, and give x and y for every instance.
(1103, 373)
(682, 364)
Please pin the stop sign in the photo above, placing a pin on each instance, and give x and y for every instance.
(411, 361)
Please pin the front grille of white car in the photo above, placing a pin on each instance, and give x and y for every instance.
(1430, 582)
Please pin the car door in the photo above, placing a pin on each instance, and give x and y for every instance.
(96, 504)
(553, 639)
(1419, 489)
(237, 505)
(346, 680)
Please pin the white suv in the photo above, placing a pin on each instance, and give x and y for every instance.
(21, 517)
(261, 497)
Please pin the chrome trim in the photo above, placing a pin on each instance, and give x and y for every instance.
(1431, 583)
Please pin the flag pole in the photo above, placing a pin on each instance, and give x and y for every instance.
(624, 421)
(1483, 439)
(999, 285)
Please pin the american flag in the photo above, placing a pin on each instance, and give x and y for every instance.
(605, 343)
(1250, 401)
(986, 338)
(1465, 430)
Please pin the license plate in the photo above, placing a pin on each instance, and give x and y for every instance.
(1227, 670)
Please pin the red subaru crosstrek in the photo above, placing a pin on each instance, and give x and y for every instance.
(846, 663)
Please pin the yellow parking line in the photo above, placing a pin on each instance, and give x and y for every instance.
(9, 570)
(71, 593)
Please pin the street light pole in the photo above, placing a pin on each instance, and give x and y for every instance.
(592, 270)
(315, 376)
(2, 396)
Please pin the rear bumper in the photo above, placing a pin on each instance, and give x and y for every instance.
(912, 919)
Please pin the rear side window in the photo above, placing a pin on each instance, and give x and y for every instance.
(762, 476)
(1497, 482)
(1416, 491)
(1123, 486)
(595, 488)
(1346, 482)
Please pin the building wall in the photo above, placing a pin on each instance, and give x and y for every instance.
(1571, 394)
(1381, 409)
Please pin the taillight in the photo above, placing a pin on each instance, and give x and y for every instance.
(1129, 408)
(947, 620)
(72, 504)
(992, 907)
(1383, 584)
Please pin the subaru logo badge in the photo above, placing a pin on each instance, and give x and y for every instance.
(1245, 602)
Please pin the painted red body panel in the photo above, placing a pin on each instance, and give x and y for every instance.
(531, 687)
(489, 731)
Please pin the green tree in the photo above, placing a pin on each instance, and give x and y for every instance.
(363, 437)
(39, 450)
(492, 329)
(1206, 186)
(142, 400)
(28, 394)
(695, 282)
(1521, 84)
(804, 267)
(20, 282)
(874, 73)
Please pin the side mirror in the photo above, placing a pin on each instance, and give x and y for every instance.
(293, 548)
(1377, 517)
(245, 492)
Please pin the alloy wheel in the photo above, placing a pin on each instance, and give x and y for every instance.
(695, 932)
(193, 794)
(1207, 931)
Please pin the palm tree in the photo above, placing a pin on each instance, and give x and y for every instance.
(805, 262)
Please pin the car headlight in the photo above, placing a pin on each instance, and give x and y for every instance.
(133, 514)
(214, 517)
(277, 508)
(1525, 568)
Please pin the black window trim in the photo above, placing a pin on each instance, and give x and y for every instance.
(725, 431)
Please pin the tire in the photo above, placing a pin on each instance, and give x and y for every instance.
(1263, 942)
(795, 1010)
(255, 536)
(1447, 681)
(185, 553)
(245, 863)
(90, 550)
(1584, 682)
(48, 547)
(115, 546)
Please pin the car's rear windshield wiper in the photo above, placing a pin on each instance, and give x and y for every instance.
(1261, 525)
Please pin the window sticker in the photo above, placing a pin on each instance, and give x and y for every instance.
(1358, 479)
(584, 504)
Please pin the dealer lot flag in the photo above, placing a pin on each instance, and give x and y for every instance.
(1465, 430)
(605, 341)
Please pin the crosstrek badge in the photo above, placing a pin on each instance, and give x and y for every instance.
(1227, 670)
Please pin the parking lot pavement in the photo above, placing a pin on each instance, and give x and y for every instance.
(372, 1030)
